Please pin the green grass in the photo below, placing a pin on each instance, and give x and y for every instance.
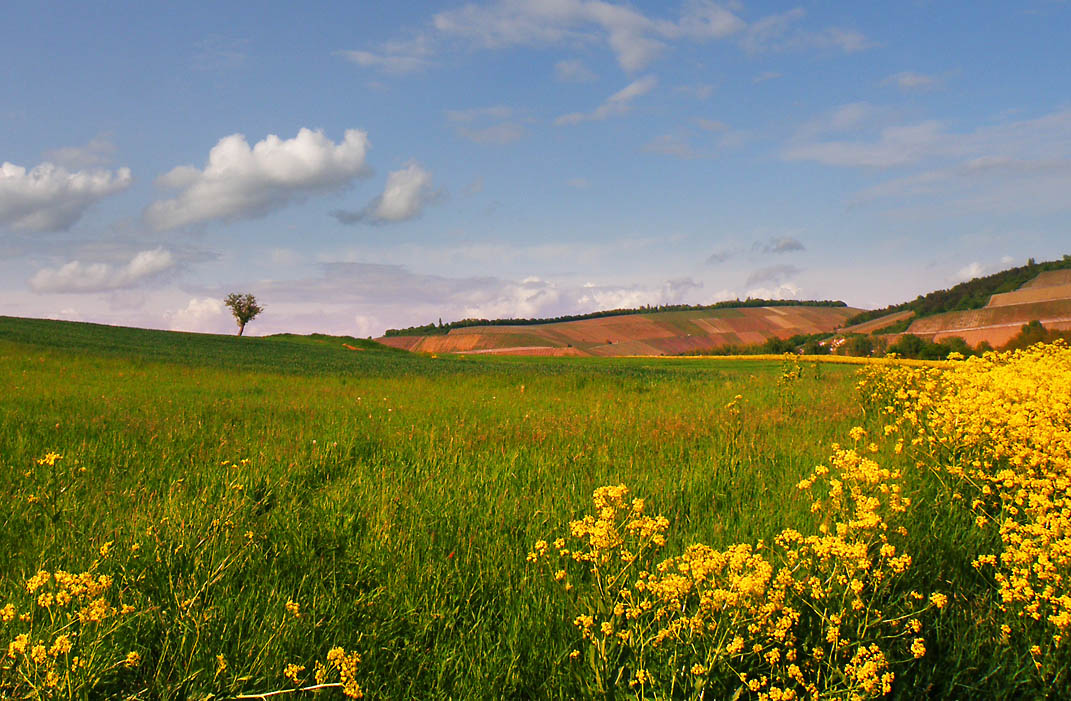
(393, 496)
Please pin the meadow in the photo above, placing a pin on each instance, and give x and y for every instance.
(210, 517)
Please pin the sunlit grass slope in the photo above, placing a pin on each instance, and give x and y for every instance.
(262, 510)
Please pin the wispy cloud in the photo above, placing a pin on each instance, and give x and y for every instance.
(781, 32)
(473, 124)
(910, 81)
(617, 104)
(397, 57)
(573, 71)
(635, 38)
(779, 244)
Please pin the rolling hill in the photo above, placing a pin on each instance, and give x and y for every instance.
(1046, 298)
(654, 333)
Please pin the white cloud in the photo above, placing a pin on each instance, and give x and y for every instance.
(51, 198)
(239, 181)
(908, 80)
(77, 276)
(201, 314)
(634, 38)
(406, 194)
(785, 291)
(573, 71)
(1007, 167)
(970, 271)
(765, 76)
(617, 104)
(98, 152)
(578, 183)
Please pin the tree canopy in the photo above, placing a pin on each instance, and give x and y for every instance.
(244, 307)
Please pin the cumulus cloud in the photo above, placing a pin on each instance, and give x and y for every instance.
(50, 197)
(617, 104)
(239, 181)
(970, 271)
(406, 194)
(573, 71)
(785, 291)
(201, 314)
(77, 276)
(98, 152)
(635, 38)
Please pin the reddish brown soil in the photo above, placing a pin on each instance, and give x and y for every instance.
(658, 333)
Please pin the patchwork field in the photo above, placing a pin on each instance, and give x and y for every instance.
(657, 333)
(1046, 298)
(210, 517)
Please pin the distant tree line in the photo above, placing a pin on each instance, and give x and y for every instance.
(973, 294)
(808, 344)
(441, 328)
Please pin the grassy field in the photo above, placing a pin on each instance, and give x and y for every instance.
(257, 502)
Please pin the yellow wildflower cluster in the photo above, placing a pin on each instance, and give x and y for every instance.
(1000, 426)
(808, 616)
(54, 634)
(346, 666)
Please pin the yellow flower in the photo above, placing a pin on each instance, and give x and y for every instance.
(292, 671)
(18, 645)
(293, 608)
(918, 648)
(61, 645)
(132, 660)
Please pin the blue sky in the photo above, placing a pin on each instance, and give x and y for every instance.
(360, 166)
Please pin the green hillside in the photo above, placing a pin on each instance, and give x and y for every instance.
(972, 294)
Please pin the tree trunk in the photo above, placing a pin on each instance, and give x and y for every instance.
(241, 328)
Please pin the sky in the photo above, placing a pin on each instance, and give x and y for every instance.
(363, 166)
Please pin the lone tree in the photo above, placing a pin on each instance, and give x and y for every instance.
(244, 307)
